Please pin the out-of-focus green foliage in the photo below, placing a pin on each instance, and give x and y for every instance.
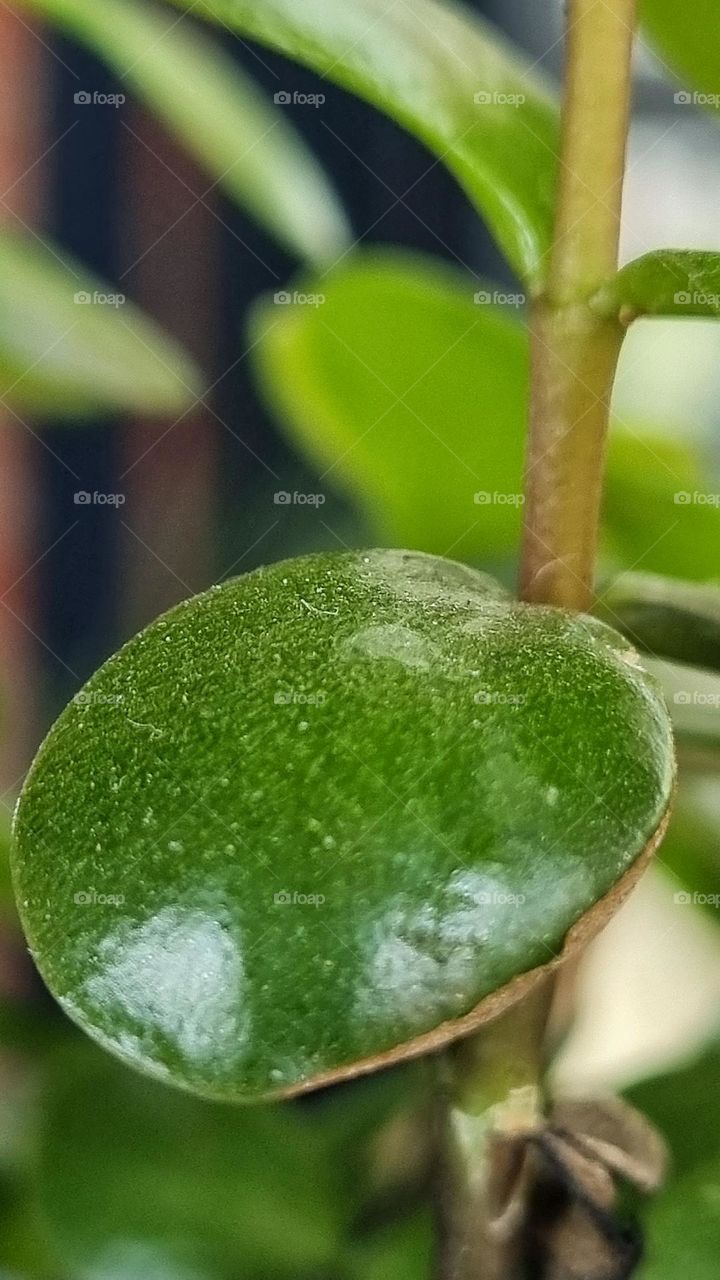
(71, 344)
(691, 48)
(690, 851)
(409, 395)
(652, 517)
(135, 1178)
(136, 1174)
(403, 1250)
(407, 384)
(25, 1026)
(247, 146)
(446, 76)
(682, 1224)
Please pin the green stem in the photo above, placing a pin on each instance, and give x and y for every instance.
(494, 1079)
(493, 1097)
(574, 350)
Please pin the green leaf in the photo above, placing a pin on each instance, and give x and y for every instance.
(446, 76)
(412, 397)
(373, 383)
(682, 1224)
(666, 282)
(659, 511)
(683, 1227)
(24, 1252)
(245, 144)
(690, 49)
(313, 814)
(71, 344)
(403, 1250)
(138, 1180)
(666, 617)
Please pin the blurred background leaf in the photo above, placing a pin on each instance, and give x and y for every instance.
(383, 408)
(649, 518)
(7, 898)
(67, 349)
(690, 49)
(666, 616)
(691, 849)
(403, 1250)
(682, 1224)
(445, 75)
(382, 405)
(108, 1176)
(244, 142)
(136, 1175)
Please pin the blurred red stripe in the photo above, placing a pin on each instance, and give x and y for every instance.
(171, 252)
(23, 77)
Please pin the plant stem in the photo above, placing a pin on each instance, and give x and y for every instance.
(494, 1078)
(574, 352)
(492, 1084)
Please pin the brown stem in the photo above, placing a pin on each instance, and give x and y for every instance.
(574, 352)
(574, 356)
(494, 1078)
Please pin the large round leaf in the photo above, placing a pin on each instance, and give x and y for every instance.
(317, 812)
